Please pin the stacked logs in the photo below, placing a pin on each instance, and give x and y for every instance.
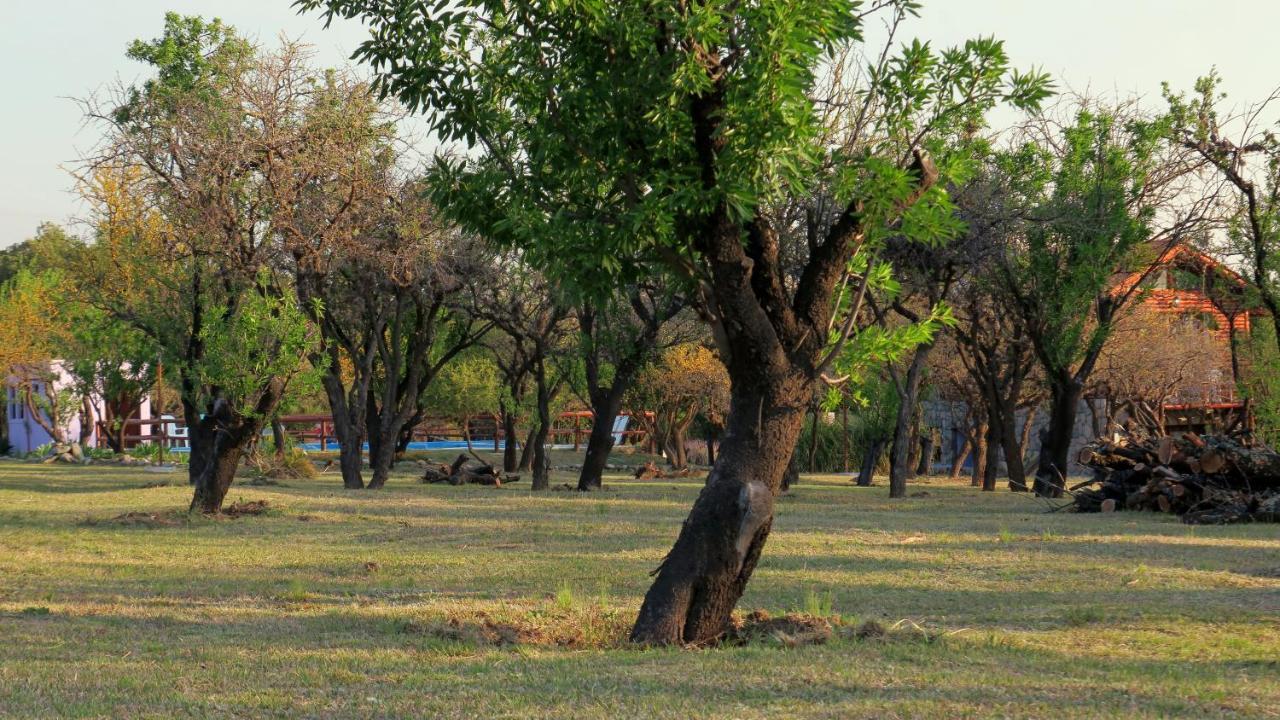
(464, 472)
(1209, 480)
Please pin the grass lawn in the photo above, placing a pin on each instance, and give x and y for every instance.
(401, 603)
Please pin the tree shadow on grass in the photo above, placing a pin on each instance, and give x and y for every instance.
(907, 675)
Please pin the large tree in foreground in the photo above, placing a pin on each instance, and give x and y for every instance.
(623, 135)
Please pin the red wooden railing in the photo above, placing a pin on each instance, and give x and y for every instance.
(575, 425)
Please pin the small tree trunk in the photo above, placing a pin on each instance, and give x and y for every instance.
(926, 454)
(979, 455)
(350, 451)
(541, 465)
(844, 438)
(466, 433)
(1012, 449)
(526, 452)
(813, 441)
(792, 475)
(1025, 442)
(900, 467)
(913, 449)
(991, 463)
(1055, 441)
(870, 459)
(957, 465)
(679, 451)
(278, 437)
(605, 407)
(510, 446)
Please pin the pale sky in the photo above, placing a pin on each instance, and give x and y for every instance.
(53, 50)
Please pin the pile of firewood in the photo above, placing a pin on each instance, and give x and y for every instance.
(464, 472)
(1210, 480)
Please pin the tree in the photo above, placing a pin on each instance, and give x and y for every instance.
(208, 172)
(1245, 153)
(465, 388)
(996, 353)
(31, 328)
(1152, 359)
(389, 303)
(616, 338)
(1093, 189)
(530, 316)
(687, 381)
(618, 137)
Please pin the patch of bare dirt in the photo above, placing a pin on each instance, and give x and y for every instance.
(164, 518)
(790, 630)
(246, 507)
(480, 631)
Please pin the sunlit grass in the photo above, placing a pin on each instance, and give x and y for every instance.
(442, 601)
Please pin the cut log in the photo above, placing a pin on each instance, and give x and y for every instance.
(1212, 462)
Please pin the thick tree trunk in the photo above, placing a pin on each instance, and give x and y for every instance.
(216, 449)
(350, 451)
(350, 413)
(1012, 448)
(703, 577)
(382, 457)
(605, 407)
(1055, 441)
(900, 467)
(870, 459)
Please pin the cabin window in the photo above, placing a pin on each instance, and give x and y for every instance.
(1184, 279)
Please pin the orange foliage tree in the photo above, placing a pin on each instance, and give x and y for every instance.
(687, 381)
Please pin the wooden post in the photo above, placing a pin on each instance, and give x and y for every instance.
(577, 433)
(324, 436)
(157, 412)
